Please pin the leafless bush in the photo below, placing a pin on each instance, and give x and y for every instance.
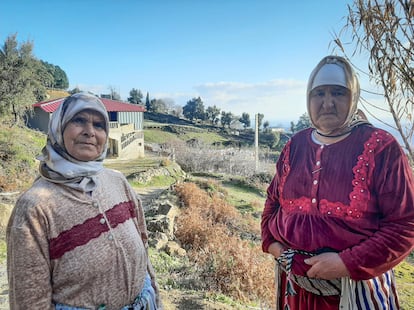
(199, 157)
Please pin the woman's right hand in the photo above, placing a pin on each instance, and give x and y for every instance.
(276, 249)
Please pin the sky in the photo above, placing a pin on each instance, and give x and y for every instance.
(252, 56)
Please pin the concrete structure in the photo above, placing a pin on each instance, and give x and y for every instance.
(126, 135)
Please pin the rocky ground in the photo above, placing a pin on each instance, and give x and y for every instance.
(179, 299)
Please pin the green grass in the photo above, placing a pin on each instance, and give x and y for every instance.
(404, 274)
(169, 269)
(161, 136)
(130, 166)
(244, 197)
(156, 181)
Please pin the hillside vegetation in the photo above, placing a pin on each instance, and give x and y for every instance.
(219, 223)
(214, 135)
(18, 149)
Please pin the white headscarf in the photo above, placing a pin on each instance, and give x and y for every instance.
(336, 70)
(56, 165)
(330, 74)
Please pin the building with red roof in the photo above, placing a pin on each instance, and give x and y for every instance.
(126, 122)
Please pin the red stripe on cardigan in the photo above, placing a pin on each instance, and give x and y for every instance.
(90, 229)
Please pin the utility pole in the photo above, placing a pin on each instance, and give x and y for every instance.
(256, 141)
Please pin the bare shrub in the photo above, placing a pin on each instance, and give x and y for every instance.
(224, 261)
(202, 157)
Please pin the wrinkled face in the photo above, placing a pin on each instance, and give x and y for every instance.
(329, 106)
(84, 136)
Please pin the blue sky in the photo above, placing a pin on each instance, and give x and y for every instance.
(249, 56)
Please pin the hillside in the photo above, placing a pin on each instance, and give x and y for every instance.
(20, 144)
(56, 93)
(214, 135)
(243, 196)
(18, 149)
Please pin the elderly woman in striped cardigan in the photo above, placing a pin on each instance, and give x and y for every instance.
(77, 239)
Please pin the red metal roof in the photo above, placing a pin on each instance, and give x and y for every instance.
(50, 106)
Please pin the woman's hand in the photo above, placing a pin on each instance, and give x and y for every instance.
(326, 266)
(276, 249)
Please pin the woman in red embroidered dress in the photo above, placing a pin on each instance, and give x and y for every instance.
(340, 209)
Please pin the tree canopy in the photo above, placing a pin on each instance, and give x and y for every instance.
(303, 123)
(194, 109)
(245, 120)
(226, 118)
(212, 114)
(158, 106)
(21, 84)
(59, 78)
(24, 79)
(135, 96)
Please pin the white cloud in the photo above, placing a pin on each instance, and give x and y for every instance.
(278, 100)
(179, 98)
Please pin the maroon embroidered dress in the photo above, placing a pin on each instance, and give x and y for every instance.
(355, 197)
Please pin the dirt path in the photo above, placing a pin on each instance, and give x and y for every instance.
(182, 300)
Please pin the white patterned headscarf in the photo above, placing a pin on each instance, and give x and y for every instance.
(336, 70)
(56, 164)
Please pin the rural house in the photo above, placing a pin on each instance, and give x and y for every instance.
(126, 123)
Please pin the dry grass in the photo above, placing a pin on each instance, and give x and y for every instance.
(56, 93)
(209, 228)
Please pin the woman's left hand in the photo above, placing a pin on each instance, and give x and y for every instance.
(326, 266)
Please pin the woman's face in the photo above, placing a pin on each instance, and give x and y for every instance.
(329, 106)
(84, 136)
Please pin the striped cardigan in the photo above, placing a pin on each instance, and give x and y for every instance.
(69, 247)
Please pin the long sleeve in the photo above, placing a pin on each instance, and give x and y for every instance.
(78, 249)
(272, 204)
(394, 238)
(28, 261)
(359, 192)
(269, 212)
